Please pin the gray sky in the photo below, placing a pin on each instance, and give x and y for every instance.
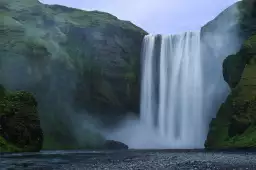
(156, 16)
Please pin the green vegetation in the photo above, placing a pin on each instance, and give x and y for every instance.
(248, 17)
(19, 122)
(233, 66)
(72, 60)
(235, 124)
(7, 147)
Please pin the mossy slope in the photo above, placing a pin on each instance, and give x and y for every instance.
(102, 51)
(72, 60)
(235, 124)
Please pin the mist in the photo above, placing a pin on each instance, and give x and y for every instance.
(136, 134)
(54, 85)
(219, 39)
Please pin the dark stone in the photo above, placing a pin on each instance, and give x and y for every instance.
(115, 145)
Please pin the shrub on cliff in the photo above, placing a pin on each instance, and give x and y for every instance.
(19, 123)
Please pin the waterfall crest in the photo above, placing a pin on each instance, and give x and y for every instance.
(172, 89)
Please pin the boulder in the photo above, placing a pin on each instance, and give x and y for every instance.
(115, 145)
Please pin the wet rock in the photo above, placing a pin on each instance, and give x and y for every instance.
(115, 145)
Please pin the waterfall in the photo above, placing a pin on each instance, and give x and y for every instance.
(182, 86)
(172, 89)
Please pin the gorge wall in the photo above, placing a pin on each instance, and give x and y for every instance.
(234, 126)
(78, 64)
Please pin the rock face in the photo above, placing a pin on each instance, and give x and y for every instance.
(248, 9)
(71, 60)
(235, 124)
(100, 52)
(217, 34)
(20, 129)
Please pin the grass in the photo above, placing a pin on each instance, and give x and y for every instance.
(235, 124)
(7, 147)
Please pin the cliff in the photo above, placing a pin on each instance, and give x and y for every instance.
(74, 62)
(234, 126)
(235, 123)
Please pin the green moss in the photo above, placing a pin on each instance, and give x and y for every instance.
(248, 17)
(19, 123)
(246, 140)
(7, 147)
(60, 52)
(234, 65)
(235, 124)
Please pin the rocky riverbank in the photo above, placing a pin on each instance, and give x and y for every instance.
(130, 160)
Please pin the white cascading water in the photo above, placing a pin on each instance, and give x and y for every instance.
(172, 89)
(182, 86)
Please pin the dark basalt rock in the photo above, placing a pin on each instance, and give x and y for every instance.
(115, 145)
